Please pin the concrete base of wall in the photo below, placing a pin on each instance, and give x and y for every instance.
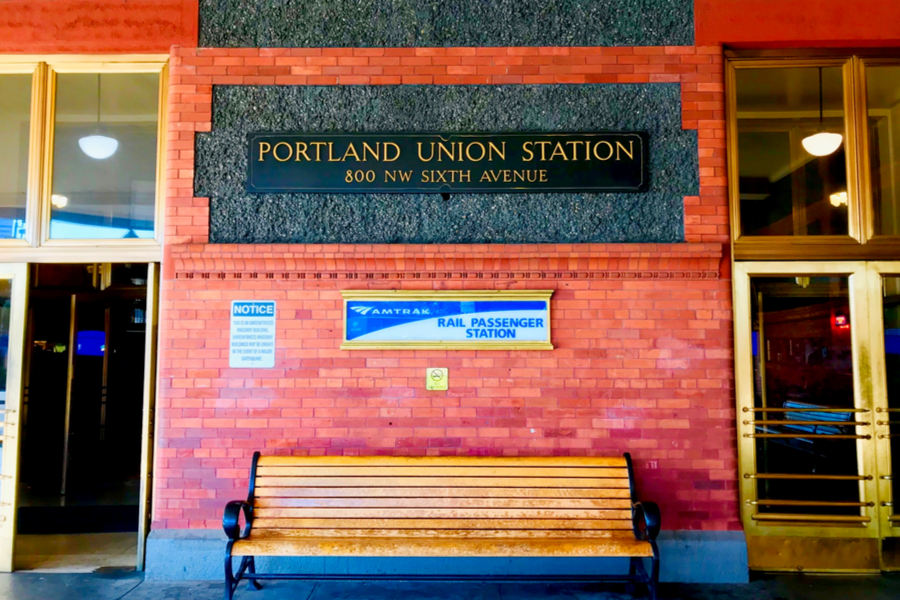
(686, 557)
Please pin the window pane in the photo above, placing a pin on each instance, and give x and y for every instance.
(883, 96)
(15, 127)
(892, 364)
(784, 189)
(803, 369)
(5, 307)
(104, 156)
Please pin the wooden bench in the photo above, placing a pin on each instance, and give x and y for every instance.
(441, 507)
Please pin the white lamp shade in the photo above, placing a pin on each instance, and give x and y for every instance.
(822, 144)
(98, 147)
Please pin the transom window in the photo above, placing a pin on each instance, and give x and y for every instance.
(814, 156)
(80, 154)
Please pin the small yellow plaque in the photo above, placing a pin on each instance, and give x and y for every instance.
(437, 379)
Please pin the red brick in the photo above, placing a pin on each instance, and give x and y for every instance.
(640, 364)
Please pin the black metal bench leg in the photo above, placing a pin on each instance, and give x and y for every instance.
(251, 568)
(230, 583)
(654, 574)
(630, 587)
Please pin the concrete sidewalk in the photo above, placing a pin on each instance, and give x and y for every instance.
(121, 585)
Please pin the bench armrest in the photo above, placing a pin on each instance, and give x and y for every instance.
(232, 518)
(645, 520)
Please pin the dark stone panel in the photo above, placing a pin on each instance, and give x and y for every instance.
(238, 217)
(420, 23)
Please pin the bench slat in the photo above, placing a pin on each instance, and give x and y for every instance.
(440, 547)
(437, 513)
(626, 534)
(555, 503)
(439, 492)
(443, 461)
(438, 471)
(443, 523)
(517, 482)
(441, 507)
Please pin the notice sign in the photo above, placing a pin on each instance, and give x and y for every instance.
(252, 342)
(447, 163)
(489, 319)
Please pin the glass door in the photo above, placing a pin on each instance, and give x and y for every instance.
(884, 299)
(806, 423)
(13, 295)
(86, 426)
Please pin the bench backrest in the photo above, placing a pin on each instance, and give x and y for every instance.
(336, 496)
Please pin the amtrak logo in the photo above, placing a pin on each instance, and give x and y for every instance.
(397, 312)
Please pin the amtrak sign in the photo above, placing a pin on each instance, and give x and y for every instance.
(518, 319)
(390, 310)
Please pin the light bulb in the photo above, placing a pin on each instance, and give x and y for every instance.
(98, 147)
(838, 200)
(59, 201)
(823, 143)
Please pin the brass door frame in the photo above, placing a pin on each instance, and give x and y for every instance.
(10, 467)
(70, 380)
(867, 525)
(151, 317)
(876, 273)
(18, 273)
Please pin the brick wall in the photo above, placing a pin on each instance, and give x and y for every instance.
(97, 26)
(643, 358)
(798, 23)
(699, 70)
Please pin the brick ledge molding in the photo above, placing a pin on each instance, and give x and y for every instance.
(486, 262)
(394, 275)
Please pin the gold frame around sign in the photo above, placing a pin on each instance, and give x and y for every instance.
(446, 138)
(450, 295)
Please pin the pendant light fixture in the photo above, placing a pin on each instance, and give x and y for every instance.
(97, 145)
(822, 143)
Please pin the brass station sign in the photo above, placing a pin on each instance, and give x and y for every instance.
(447, 163)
